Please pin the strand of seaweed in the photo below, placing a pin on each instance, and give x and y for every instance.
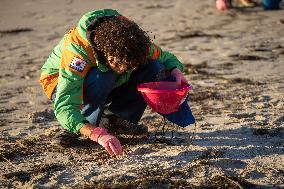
(15, 31)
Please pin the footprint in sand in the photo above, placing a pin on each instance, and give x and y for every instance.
(229, 163)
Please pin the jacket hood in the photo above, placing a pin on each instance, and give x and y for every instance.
(89, 20)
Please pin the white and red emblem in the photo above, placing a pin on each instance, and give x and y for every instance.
(78, 64)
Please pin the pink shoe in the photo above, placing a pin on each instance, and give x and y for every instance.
(221, 5)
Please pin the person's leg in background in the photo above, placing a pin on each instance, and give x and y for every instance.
(246, 3)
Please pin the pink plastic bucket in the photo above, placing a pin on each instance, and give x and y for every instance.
(164, 96)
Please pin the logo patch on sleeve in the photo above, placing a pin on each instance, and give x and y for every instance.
(78, 64)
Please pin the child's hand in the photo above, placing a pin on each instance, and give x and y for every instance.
(178, 75)
(109, 142)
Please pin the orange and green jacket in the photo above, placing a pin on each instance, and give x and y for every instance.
(71, 60)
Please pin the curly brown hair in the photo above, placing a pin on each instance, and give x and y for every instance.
(123, 39)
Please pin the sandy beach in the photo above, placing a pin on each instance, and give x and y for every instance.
(234, 61)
